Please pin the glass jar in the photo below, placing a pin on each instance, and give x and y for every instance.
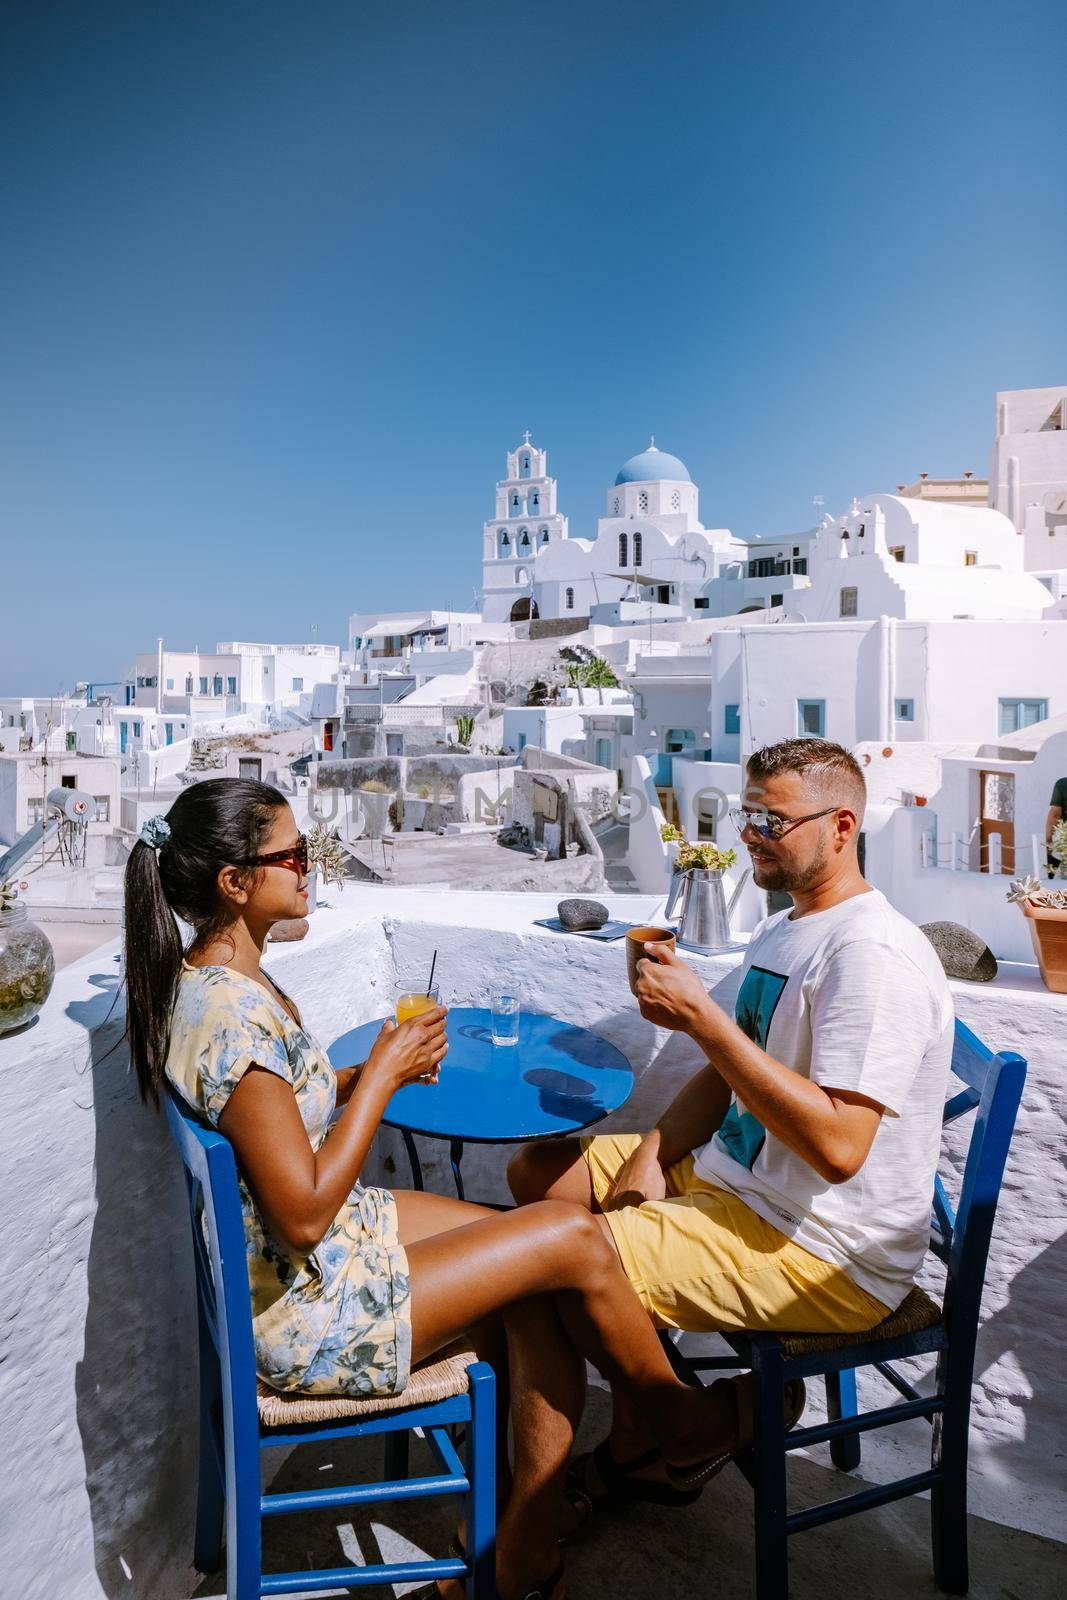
(27, 968)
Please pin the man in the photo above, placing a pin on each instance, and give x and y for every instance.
(788, 1186)
(1057, 806)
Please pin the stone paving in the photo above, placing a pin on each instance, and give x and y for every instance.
(647, 1553)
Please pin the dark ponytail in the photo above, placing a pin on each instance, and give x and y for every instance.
(214, 824)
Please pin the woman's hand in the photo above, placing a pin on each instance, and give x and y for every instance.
(410, 1053)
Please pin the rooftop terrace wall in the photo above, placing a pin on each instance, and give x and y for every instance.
(97, 1348)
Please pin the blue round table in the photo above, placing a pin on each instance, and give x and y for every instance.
(558, 1079)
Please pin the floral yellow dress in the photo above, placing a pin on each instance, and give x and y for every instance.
(339, 1319)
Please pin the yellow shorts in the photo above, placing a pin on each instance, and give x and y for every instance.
(704, 1261)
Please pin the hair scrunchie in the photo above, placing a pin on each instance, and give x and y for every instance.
(155, 832)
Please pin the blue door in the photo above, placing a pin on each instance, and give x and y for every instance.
(122, 737)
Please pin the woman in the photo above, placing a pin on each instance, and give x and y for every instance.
(351, 1285)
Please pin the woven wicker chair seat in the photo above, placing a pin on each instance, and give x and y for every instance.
(436, 1380)
(915, 1312)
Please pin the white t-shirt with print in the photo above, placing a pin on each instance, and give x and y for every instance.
(852, 998)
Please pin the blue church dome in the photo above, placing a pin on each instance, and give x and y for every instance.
(651, 465)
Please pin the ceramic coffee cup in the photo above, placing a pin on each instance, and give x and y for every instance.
(636, 939)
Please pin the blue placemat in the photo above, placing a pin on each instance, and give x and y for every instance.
(610, 930)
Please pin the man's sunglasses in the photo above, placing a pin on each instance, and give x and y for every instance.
(295, 857)
(768, 824)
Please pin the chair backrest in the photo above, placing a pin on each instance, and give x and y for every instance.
(219, 1251)
(993, 1090)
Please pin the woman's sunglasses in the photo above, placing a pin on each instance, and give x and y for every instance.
(295, 857)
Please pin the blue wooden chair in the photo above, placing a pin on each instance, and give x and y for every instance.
(993, 1088)
(240, 1418)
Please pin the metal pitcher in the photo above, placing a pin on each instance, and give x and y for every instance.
(704, 923)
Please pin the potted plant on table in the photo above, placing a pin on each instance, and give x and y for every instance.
(1046, 912)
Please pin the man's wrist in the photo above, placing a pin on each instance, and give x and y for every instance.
(703, 1020)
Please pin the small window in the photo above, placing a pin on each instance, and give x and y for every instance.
(811, 718)
(72, 740)
(622, 550)
(701, 603)
(168, 732)
(137, 730)
(905, 711)
(298, 684)
(970, 558)
(897, 552)
(170, 683)
(679, 739)
(676, 500)
(800, 566)
(102, 804)
(617, 505)
(849, 602)
(217, 683)
(231, 685)
(569, 600)
(638, 549)
(776, 599)
(188, 683)
(731, 719)
(642, 500)
(796, 549)
(1016, 714)
(203, 686)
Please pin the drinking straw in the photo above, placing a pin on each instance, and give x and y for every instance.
(433, 963)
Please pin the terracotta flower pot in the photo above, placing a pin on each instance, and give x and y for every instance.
(1048, 930)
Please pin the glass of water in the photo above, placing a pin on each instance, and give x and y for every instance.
(504, 1006)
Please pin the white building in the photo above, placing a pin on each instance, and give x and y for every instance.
(1028, 471)
(652, 558)
(26, 779)
(890, 555)
(237, 678)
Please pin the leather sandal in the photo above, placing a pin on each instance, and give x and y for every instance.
(694, 1477)
(619, 1483)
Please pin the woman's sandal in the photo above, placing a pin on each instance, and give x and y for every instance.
(545, 1590)
(693, 1478)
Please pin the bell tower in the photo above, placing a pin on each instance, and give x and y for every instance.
(526, 523)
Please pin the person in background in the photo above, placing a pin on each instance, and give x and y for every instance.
(1056, 809)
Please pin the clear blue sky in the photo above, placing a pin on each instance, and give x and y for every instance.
(280, 283)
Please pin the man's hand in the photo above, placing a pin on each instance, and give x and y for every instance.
(669, 993)
(640, 1178)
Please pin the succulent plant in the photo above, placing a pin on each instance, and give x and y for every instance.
(705, 857)
(1028, 891)
(9, 893)
(696, 857)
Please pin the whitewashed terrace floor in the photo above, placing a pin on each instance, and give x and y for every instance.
(646, 1553)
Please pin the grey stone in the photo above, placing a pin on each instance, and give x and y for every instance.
(963, 954)
(580, 914)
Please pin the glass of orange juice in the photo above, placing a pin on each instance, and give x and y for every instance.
(412, 999)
